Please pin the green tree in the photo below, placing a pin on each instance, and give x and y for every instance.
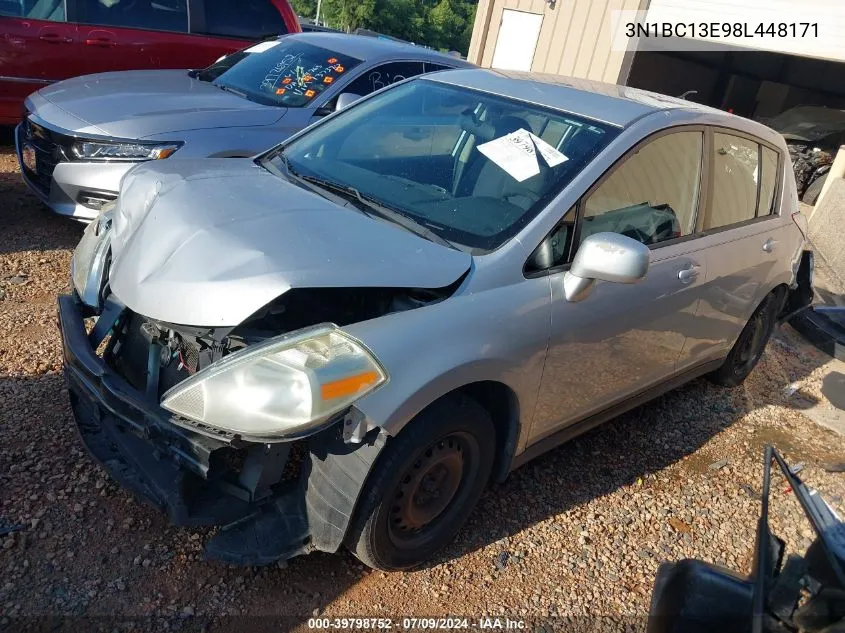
(441, 24)
(348, 15)
(304, 8)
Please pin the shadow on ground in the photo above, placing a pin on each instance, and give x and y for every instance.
(616, 454)
(27, 223)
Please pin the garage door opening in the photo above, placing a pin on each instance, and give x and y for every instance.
(754, 84)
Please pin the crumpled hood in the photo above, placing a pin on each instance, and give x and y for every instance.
(208, 242)
(143, 103)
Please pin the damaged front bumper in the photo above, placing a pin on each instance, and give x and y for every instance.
(270, 505)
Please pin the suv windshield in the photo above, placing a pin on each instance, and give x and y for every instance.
(471, 167)
(282, 72)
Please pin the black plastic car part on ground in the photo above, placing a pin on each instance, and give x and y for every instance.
(783, 594)
(273, 501)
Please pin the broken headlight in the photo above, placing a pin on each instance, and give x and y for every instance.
(96, 150)
(282, 388)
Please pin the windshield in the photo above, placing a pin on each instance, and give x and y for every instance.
(471, 167)
(286, 72)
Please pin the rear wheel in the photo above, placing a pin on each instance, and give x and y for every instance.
(751, 343)
(424, 486)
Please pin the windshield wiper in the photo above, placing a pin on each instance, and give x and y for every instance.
(366, 205)
(234, 91)
(377, 208)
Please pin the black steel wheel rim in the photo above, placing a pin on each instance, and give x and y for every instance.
(423, 498)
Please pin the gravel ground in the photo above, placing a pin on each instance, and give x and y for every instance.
(578, 532)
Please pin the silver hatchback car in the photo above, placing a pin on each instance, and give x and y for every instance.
(343, 340)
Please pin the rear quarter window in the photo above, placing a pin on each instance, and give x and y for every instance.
(768, 181)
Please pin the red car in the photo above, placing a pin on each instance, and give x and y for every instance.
(42, 41)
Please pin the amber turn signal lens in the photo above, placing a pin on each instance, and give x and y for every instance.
(348, 386)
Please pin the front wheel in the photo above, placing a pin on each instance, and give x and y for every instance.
(424, 486)
(749, 347)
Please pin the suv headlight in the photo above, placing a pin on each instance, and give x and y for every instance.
(282, 388)
(97, 150)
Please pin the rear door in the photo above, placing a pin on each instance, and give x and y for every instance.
(36, 48)
(744, 238)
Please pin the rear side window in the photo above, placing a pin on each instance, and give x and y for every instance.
(382, 76)
(158, 15)
(653, 196)
(768, 181)
(246, 19)
(34, 9)
(736, 174)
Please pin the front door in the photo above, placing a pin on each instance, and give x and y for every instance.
(622, 339)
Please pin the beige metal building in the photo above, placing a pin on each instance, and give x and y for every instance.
(573, 38)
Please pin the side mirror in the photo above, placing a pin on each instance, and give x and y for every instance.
(605, 256)
(345, 99)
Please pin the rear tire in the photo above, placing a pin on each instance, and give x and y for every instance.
(749, 346)
(424, 485)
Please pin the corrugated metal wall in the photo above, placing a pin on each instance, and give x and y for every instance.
(574, 39)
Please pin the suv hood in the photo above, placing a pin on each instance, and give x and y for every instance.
(142, 103)
(209, 242)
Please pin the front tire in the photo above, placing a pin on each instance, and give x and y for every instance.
(424, 486)
(752, 341)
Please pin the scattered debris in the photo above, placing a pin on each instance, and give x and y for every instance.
(501, 560)
(679, 525)
(797, 468)
(791, 389)
(751, 492)
(838, 467)
(718, 465)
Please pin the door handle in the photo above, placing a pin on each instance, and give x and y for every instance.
(54, 38)
(688, 274)
(769, 245)
(100, 41)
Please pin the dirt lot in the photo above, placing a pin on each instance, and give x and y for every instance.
(585, 527)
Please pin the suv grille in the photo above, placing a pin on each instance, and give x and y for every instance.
(50, 148)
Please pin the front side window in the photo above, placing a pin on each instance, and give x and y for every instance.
(468, 166)
(736, 172)
(653, 196)
(159, 15)
(53, 10)
(246, 19)
(281, 72)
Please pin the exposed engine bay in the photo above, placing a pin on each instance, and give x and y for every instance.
(185, 350)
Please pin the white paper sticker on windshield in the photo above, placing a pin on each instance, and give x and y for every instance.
(263, 46)
(552, 157)
(516, 153)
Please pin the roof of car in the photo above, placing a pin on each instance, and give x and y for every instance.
(367, 47)
(608, 103)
